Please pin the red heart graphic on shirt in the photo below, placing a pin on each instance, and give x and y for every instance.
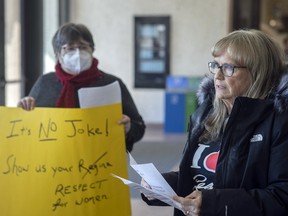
(211, 161)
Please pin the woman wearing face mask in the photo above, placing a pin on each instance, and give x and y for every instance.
(77, 68)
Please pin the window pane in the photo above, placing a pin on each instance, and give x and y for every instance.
(12, 51)
(50, 26)
(12, 94)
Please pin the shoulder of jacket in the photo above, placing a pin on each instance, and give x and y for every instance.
(109, 76)
(281, 95)
(47, 77)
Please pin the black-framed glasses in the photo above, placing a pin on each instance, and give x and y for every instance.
(72, 47)
(226, 69)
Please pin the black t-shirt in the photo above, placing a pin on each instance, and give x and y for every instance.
(203, 165)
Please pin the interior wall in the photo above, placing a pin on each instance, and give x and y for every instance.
(195, 26)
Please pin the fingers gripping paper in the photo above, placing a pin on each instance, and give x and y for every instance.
(160, 189)
(58, 162)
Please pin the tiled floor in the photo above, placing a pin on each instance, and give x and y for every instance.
(164, 151)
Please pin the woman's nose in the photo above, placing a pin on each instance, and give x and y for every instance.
(219, 74)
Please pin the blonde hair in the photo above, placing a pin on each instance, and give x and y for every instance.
(262, 57)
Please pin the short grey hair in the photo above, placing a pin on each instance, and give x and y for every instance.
(69, 33)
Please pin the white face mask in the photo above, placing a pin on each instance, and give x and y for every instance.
(76, 61)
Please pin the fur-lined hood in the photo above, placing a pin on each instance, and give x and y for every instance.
(207, 91)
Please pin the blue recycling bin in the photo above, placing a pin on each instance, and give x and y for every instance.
(175, 104)
(174, 112)
(180, 102)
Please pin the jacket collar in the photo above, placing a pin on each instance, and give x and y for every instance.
(281, 95)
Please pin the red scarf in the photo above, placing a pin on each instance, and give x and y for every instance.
(71, 84)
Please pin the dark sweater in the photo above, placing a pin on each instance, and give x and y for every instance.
(47, 89)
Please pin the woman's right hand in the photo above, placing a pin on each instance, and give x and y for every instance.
(27, 103)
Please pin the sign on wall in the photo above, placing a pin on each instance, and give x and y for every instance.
(152, 44)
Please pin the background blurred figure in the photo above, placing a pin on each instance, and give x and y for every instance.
(77, 68)
(235, 159)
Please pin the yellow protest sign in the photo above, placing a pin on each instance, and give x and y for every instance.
(58, 162)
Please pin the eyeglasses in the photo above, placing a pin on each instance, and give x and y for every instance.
(72, 47)
(226, 69)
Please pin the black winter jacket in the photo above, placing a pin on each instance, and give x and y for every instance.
(251, 175)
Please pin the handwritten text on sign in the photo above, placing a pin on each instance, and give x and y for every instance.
(58, 162)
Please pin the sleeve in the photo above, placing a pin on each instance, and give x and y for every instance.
(270, 200)
(36, 88)
(137, 123)
(46, 90)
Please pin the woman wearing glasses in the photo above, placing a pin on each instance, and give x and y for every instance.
(77, 68)
(236, 157)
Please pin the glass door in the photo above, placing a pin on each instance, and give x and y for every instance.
(11, 76)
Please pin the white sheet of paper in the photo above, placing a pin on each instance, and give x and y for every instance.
(152, 193)
(152, 176)
(100, 96)
(160, 189)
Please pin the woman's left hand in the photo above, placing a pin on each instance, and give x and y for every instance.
(126, 121)
(191, 204)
